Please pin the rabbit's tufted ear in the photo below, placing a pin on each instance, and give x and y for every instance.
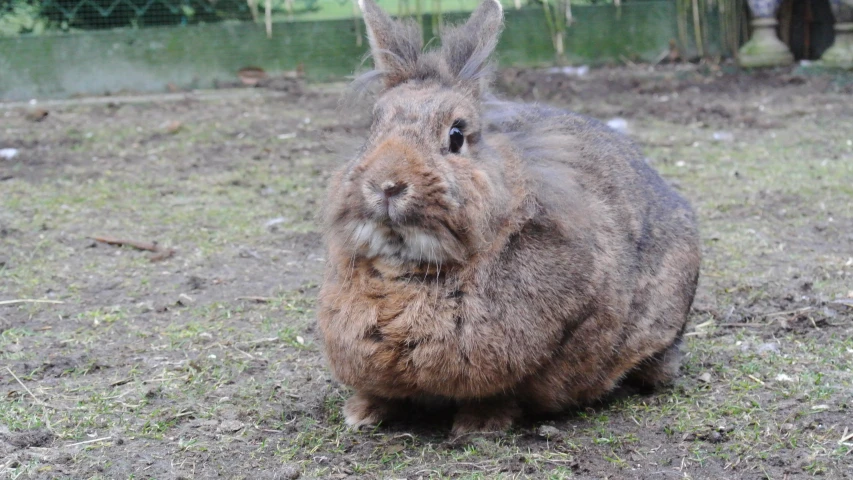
(466, 48)
(395, 46)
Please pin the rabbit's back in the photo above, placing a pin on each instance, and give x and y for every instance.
(599, 199)
(568, 156)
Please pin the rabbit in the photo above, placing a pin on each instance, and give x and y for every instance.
(508, 259)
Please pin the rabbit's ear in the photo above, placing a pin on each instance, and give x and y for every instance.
(395, 46)
(467, 48)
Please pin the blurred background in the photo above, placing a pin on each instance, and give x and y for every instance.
(56, 48)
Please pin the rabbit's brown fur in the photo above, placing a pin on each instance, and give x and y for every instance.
(533, 270)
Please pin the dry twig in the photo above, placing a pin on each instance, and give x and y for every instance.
(788, 312)
(89, 441)
(257, 299)
(847, 302)
(149, 246)
(160, 253)
(251, 357)
(28, 300)
(745, 325)
(35, 399)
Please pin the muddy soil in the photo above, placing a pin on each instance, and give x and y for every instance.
(204, 364)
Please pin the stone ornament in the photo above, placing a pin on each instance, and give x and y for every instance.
(764, 8)
(840, 54)
(764, 49)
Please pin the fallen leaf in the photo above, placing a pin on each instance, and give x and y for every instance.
(174, 127)
(36, 114)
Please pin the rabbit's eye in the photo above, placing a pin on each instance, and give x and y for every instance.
(457, 139)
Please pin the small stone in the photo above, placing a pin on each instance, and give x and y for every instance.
(705, 377)
(618, 124)
(195, 283)
(723, 136)
(286, 472)
(570, 71)
(249, 253)
(784, 378)
(230, 426)
(289, 472)
(715, 437)
(59, 458)
(8, 153)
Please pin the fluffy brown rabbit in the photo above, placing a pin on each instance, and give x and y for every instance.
(507, 258)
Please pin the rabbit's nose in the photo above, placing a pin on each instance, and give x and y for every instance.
(393, 189)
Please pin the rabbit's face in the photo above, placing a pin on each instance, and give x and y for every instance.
(415, 193)
(422, 189)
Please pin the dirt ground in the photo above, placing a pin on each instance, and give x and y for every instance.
(205, 363)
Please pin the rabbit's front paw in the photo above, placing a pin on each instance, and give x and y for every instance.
(485, 416)
(364, 410)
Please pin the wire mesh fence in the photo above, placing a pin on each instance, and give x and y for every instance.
(696, 19)
(98, 14)
(38, 16)
(62, 47)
